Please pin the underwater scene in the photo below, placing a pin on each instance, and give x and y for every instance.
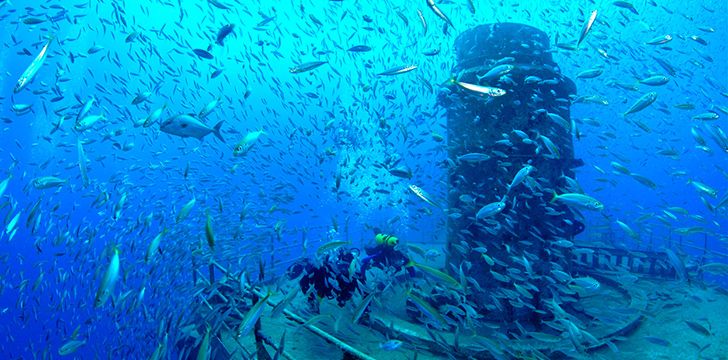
(340, 179)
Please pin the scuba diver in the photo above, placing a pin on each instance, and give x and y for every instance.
(384, 254)
(338, 277)
(330, 280)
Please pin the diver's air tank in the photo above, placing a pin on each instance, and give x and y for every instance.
(530, 125)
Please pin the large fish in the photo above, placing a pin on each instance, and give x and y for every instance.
(29, 73)
(188, 126)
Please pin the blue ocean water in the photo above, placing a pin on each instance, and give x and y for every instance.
(319, 169)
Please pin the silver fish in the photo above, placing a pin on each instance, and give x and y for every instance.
(642, 103)
(491, 209)
(587, 26)
(188, 126)
(32, 69)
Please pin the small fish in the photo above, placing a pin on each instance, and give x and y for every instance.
(252, 316)
(119, 207)
(496, 72)
(486, 90)
(422, 20)
(359, 48)
(301, 68)
(202, 53)
(426, 308)
(402, 172)
(666, 66)
(439, 13)
(552, 148)
(32, 69)
(656, 80)
(657, 341)
(578, 200)
(491, 209)
(224, 32)
(626, 5)
(21, 109)
(331, 245)
(664, 39)
(586, 283)
(587, 26)
(520, 176)
(154, 246)
(628, 230)
(209, 233)
(278, 309)
(47, 182)
(108, 281)
(643, 180)
(707, 116)
(473, 157)
(203, 353)
(244, 146)
(94, 49)
(86, 108)
(208, 108)
(33, 21)
(88, 122)
(559, 120)
(677, 263)
(216, 73)
(11, 225)
(705, 189)
(390, 345)
(642, 103)
(432, 52)
(423, 195)
(700, 329)
(698, 40)
(218, 4)
(131, 37)
(185, 210)
(82, 162)
(154, 116)
(589, 74)
(4, 186)
(141, 97)
(397, 70)
(437, 274)
(70, 347)
(361, 308)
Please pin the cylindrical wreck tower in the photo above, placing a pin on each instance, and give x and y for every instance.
(510, 154)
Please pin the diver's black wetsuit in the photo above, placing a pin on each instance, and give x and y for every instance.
(383, 256)
(332, 278)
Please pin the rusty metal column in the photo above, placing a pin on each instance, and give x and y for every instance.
(529, 125)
